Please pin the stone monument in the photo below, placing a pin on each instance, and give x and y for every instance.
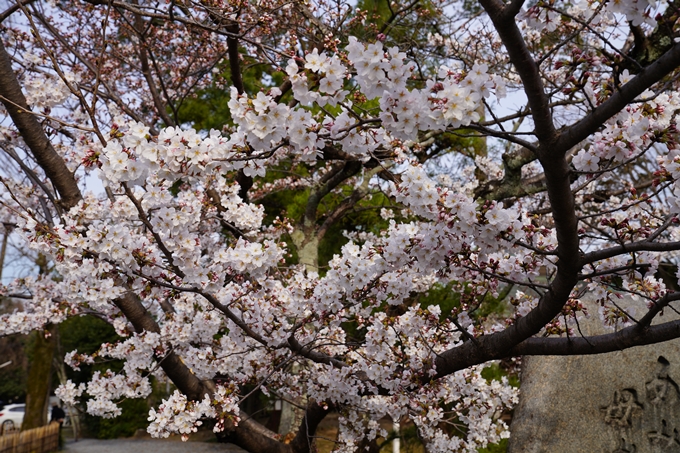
(621, 402)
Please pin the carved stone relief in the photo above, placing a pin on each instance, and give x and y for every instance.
(653, 420)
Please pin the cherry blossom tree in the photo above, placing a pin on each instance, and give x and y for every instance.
(517, 150)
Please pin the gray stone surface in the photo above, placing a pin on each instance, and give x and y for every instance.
(621, 402)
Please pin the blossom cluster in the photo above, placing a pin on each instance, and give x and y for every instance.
(177, 414)
(47, 90)
(631, 132)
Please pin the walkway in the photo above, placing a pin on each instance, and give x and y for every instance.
(147, 446)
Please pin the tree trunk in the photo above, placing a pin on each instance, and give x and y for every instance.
(306, 242)
(39, 379)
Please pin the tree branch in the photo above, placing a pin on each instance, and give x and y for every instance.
(249, 434)
(186, 381)
(14, 8)
(329, 182)
(498, 345)
(348, 203)
(643, 246)
(653, 73)
(638, 335)
(510, 10)
(526, 67)
(146, 71)
(33, 134)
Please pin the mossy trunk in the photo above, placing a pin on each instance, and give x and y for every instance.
(39, 379)
(307, 245)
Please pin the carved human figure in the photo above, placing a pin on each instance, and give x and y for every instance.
(663, 395)
(621, 410)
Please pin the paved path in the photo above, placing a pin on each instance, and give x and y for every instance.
(146, 446)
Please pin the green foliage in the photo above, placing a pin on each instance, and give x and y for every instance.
(443, 295)
(206, 110)
(494, 305)
(12, 384)
(86, 334)
(365, 217)
(494, 372)
(400, 27)
(448, 297)
(288, 203)
(291, 204)
(134, 417)
(13, 377)
(500, 447)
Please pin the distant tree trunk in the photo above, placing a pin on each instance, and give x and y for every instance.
(39, 379)
(60, 369)
(40, 370)
(291, 414)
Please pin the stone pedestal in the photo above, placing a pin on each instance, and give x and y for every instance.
(621, 402)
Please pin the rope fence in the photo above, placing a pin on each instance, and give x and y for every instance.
(39, 440)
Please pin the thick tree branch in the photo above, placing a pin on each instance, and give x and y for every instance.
(234, 57)
(599, 344)
(638, 335)
(650, 75)
(248, 434)
(557, 172)
(308, 352)
(245, 182)
(33, 134)
(499, 344)
(329, 182)
(348, 203)
(511, 9)
(643, 246)
(187, 382)
(252, 436)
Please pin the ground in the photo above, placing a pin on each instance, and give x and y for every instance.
(146, 446)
